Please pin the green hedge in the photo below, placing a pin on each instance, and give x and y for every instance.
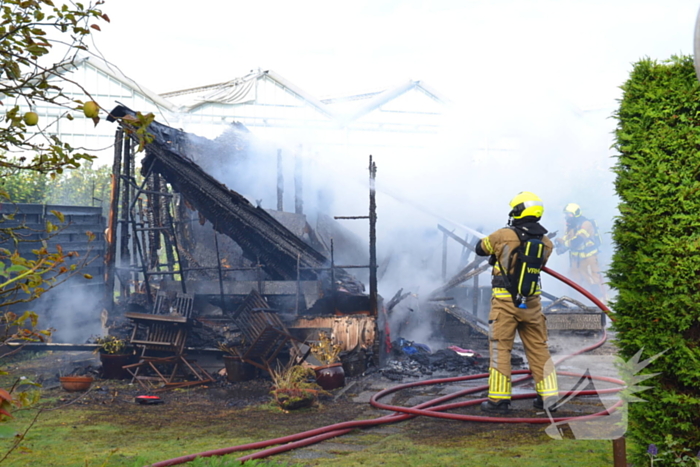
(656, 265)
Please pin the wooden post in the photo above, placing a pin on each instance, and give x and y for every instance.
(125, 259)
(113, 220)
(619, 452)
(372, 239)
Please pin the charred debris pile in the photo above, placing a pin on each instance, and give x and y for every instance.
(174, 229)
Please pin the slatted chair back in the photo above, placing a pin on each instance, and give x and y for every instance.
(264, 333)
(165, 337)
(166, 328)
(161, 335)
(159, 307)
(184, 304)
(254, 315)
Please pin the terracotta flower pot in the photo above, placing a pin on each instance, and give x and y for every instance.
(76, 383)
(330, 376)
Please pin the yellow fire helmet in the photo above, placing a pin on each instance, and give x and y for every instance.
(526, 204)
(572, 210)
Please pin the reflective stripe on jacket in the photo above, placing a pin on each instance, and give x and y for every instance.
(580, 240)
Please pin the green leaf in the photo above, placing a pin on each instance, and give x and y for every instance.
(16, 268)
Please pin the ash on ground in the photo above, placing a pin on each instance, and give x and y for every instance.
(409, 360)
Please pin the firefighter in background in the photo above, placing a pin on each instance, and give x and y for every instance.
(582, 240)
(506, 317)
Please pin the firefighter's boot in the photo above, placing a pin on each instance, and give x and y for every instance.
(502, 406)
(550, 403)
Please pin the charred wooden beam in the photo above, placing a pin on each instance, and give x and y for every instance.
(454, 237)
(262, 238)
(471, 270)
(396, 299)
(258, 234)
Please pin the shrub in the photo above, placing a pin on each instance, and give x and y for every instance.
(656, 264)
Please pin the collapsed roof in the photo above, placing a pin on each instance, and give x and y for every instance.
(283, 255)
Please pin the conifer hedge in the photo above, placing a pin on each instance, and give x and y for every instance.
(656, 265)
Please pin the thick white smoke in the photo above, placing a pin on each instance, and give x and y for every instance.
(463, 180)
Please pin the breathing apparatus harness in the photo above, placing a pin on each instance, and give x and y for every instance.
(524, 280)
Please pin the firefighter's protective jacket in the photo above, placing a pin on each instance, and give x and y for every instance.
(581, 239)
(500, 245)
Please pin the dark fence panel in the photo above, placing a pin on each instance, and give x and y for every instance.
(73, 308)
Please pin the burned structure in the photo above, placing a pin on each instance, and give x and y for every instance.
(265, 282)
(258, 280)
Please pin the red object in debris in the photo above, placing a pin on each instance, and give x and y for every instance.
(147, 400)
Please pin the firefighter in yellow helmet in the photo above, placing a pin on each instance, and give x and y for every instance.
(583, 243)
(517, 253)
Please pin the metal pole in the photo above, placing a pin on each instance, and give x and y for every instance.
(280, 182)
(372, 239)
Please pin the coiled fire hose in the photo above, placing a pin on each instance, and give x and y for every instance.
(430, 408)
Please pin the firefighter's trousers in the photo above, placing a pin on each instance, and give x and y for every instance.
(530, 323)
(586, 271)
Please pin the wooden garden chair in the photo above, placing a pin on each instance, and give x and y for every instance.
(161, 336)
(265, 335)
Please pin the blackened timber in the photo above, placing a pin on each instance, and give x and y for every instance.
(221, 274)
(125, 256)
(373, 294)
(471, 270)
(257, 233)
(456, 238)
(111, 237)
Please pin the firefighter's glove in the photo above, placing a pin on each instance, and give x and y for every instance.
(560, 247)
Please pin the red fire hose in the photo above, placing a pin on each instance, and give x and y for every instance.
(429, 408)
